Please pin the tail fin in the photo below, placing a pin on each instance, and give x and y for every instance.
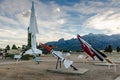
(67, 63)
(36, 59)
(36, 51)
(20, 55)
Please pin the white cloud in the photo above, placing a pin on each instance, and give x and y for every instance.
(94, 7)
(108, 21)
(12, 7)
(12, 36)
(53, 36)
(57, 10)
(53, 20)
(48, 18)
(7, 20)
(22, 19)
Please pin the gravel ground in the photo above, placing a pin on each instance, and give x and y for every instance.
(29, 70)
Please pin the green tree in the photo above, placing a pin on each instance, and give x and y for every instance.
(118, 49)
(109, 48)
(106, 49)
(23, 47)
(7, 47)
(14, 46)
(77, 50)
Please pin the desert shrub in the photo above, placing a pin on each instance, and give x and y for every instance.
(10, 55)
(25, 57)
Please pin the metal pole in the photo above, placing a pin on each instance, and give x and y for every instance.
(57, 63)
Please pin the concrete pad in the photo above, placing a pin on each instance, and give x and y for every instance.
(107, 64)
(67, 71)
(104, 64)
(118, 62)
(118, 78)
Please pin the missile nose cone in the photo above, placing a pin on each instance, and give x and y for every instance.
(32, 8)
(32, 3)
(78, 36)
(46, 47)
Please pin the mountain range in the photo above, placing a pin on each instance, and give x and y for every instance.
(99, 41)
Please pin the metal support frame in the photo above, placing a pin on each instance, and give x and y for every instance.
(58, 60)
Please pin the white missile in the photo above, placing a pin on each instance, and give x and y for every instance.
(67, 63)
(57, 54)
(33, 29)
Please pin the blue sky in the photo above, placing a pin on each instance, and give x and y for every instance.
(57, 19)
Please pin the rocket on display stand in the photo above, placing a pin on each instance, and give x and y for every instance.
(33, 29)
(92, 51)
(67, 63)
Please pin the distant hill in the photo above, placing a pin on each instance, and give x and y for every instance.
(99, 41)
